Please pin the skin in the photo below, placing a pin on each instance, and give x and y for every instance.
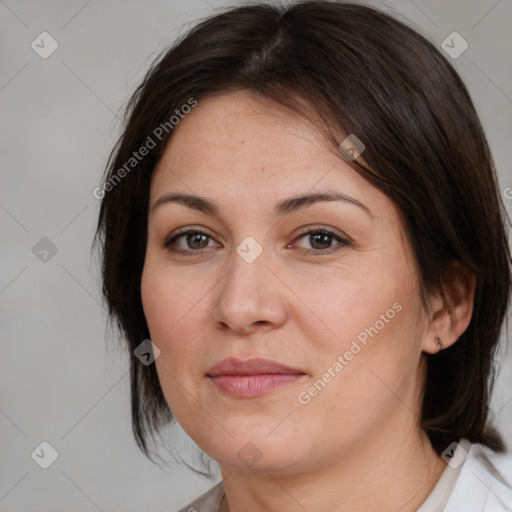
(357, 445)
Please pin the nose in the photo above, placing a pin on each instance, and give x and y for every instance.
(249, 297)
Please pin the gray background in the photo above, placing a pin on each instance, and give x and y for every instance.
(63, 379)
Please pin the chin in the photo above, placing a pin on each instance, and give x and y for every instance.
(254, 450)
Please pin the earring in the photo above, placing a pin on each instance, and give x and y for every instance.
(439, 343)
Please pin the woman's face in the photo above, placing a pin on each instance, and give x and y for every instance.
(265, 281)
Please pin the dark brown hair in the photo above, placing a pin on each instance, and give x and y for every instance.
(351, 69)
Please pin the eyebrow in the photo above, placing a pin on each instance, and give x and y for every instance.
(282, 208)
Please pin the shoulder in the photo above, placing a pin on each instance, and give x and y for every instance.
(484, 483)
(207, 502)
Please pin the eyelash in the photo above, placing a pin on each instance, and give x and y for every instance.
(317, 252)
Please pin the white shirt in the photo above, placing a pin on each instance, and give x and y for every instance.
(476, 479)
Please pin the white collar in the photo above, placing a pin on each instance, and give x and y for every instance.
(484, 483)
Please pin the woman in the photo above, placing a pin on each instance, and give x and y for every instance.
(302, 216)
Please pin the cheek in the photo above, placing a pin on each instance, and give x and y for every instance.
(172, 310)
(175, 308)
(371, 321)
(168, 300)
(369, 363)
(360, 306)
(156, 301)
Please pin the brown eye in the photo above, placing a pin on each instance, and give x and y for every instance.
(194, 241)
(321, 241)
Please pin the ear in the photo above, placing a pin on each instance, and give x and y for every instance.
(450, 315)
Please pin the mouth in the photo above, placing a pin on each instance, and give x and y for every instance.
(253, 377)
(253, 385)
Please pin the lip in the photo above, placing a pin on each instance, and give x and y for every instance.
(252, 377)
(255, 366)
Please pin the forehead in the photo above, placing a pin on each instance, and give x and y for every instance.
(239, 126)
(246, 143)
